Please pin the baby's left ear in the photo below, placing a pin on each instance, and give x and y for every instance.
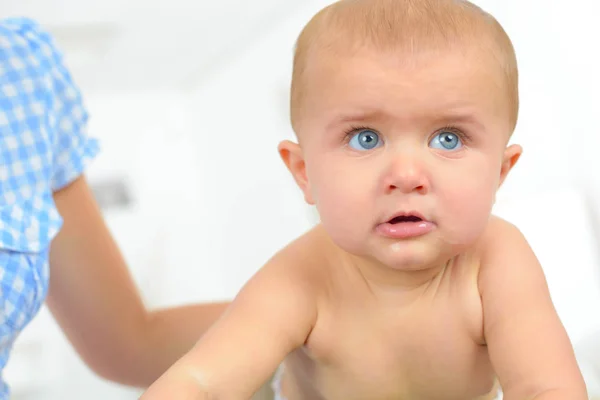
(510, 158)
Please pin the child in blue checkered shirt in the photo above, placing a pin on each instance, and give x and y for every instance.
(50, 225)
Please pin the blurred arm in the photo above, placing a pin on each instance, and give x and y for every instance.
(96, 303)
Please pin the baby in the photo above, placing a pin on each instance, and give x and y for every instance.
(408, 288)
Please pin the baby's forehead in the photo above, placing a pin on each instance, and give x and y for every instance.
(404, 25)
(369, 87)
(435, 69)
(407, 31)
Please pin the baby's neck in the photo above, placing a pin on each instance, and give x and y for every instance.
(384, 280)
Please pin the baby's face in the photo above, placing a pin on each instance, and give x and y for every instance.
(424, 142)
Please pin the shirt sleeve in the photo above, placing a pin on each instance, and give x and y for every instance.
(73, 148)
(44, 144)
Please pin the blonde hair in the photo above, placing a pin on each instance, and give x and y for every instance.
(407, 27)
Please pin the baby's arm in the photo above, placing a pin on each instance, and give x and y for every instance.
(271, 316)
(528, 345)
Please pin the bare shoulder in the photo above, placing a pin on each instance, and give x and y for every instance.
(304, 261)
(286, 287)
(505, 252)
(498, 234)
(501, 236)
(275, 312)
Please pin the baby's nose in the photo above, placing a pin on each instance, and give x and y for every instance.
(406, 174)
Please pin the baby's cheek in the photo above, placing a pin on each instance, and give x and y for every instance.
(469, 192)
(342, 214)
(467, 212)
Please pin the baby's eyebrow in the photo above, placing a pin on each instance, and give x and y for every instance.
(439, 118)
(459, 118)
(363, 116)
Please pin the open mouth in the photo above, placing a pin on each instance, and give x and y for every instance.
(405, 218)
(406, 225)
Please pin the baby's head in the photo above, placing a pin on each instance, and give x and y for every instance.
(403, 107)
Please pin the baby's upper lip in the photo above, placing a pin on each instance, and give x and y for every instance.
(405, 216)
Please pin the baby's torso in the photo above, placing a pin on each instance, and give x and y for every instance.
(428, 345)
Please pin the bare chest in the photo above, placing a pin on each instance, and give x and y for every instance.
(427, 350)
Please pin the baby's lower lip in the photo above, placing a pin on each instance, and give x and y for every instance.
(405, 230)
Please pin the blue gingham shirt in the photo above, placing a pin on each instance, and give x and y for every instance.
(43, 148)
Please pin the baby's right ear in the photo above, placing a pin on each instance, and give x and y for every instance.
(292, 156)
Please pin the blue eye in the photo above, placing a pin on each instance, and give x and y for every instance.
(365, 140)
(446, 140)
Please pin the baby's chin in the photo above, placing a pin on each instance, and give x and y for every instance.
(418, 258)
(419, 253)
(423, 253)
(400, 255)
